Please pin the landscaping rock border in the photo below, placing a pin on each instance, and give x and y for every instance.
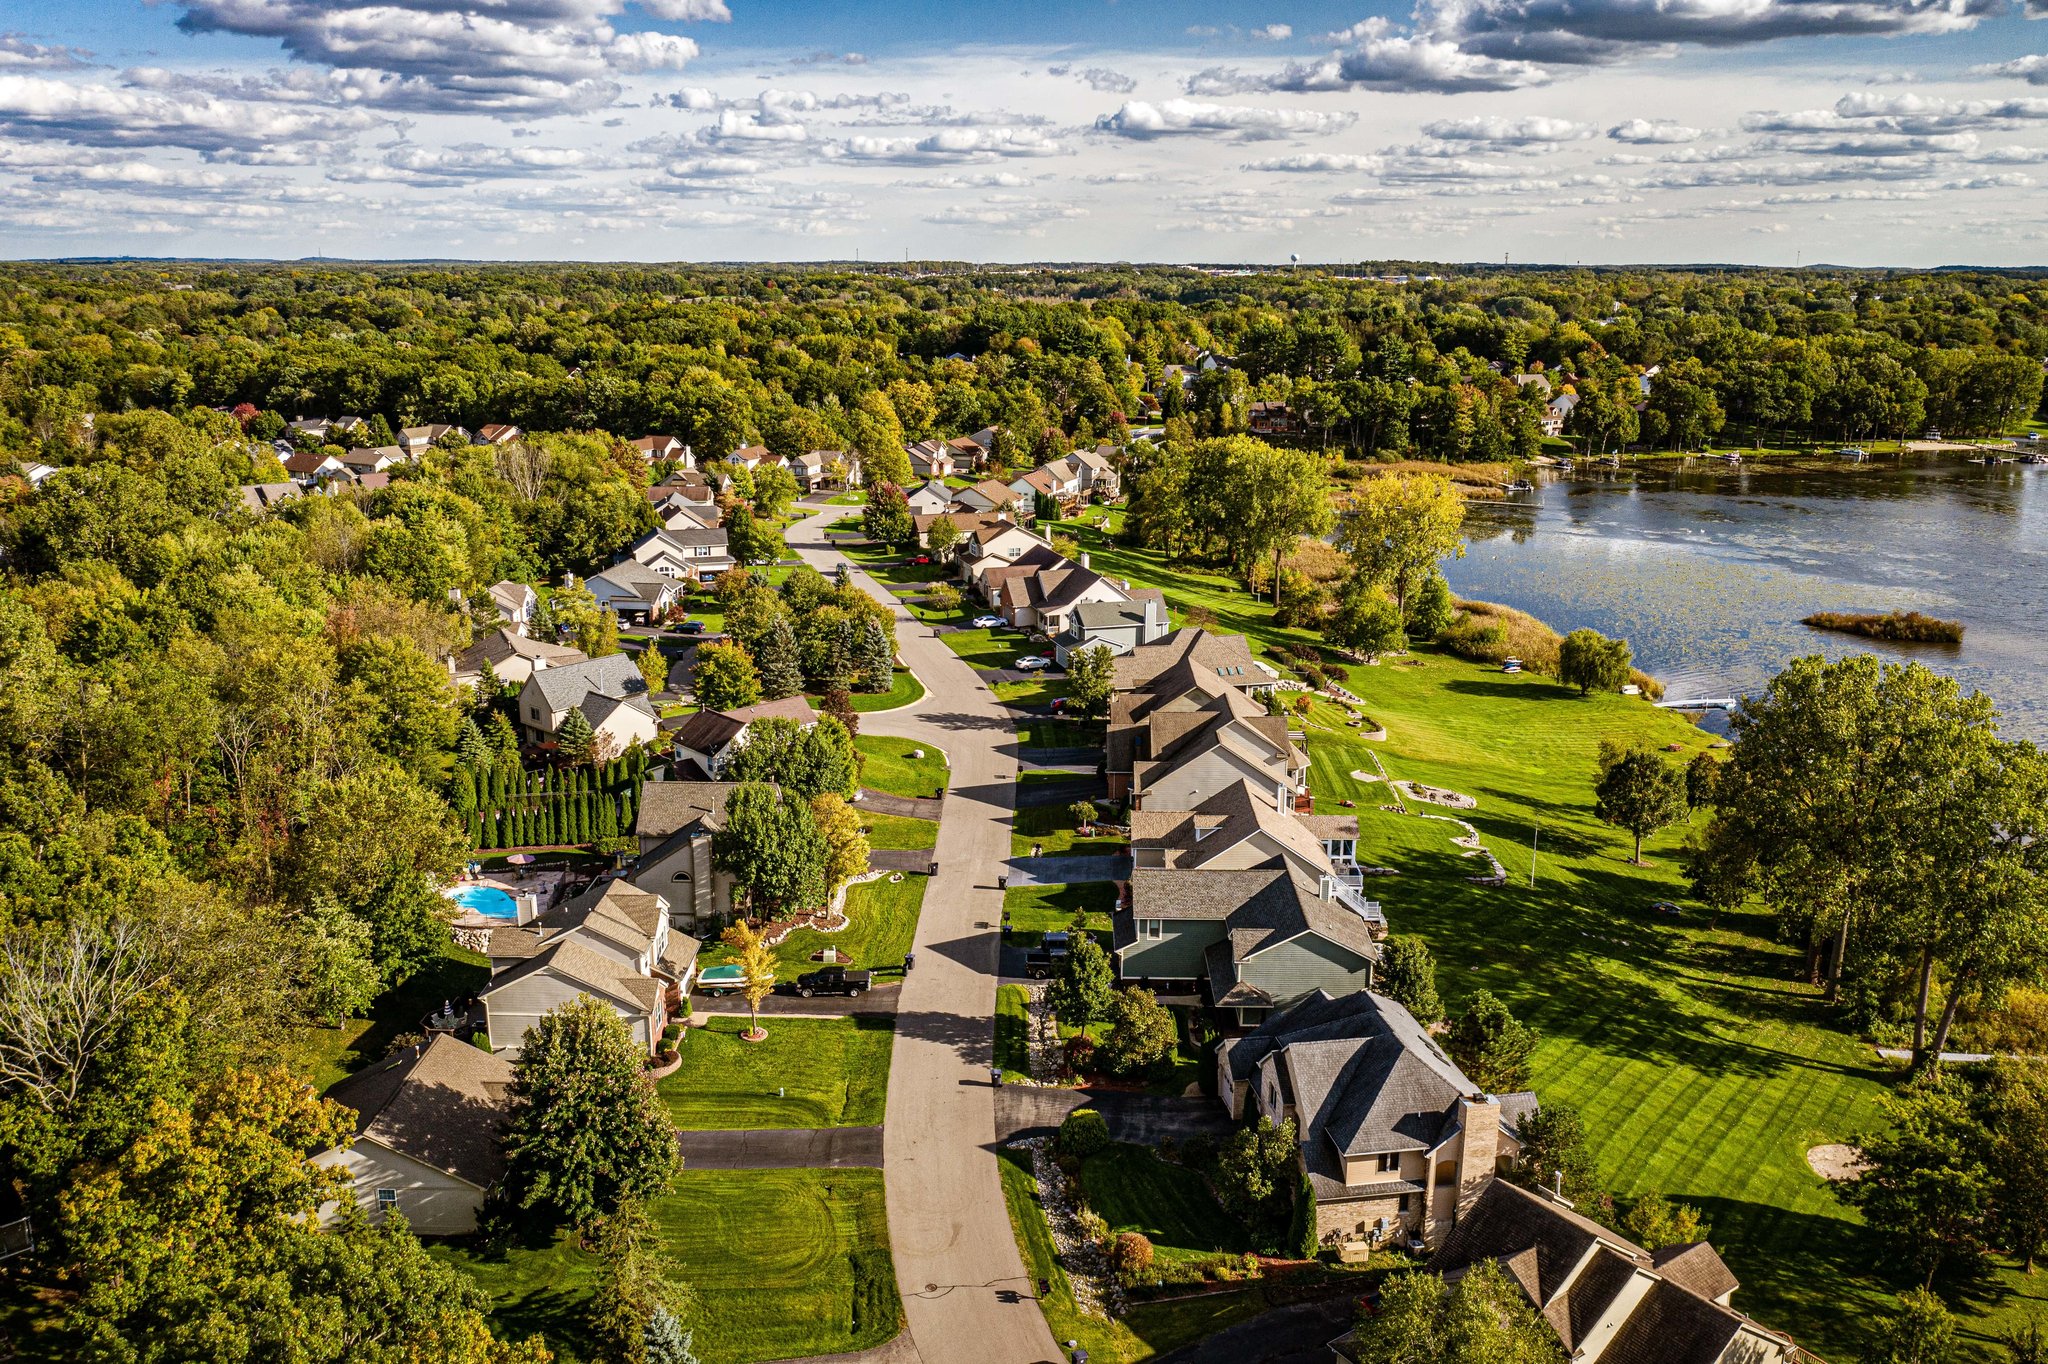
(1095, 1289)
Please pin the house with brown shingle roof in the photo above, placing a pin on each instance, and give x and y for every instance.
(1045, 600)
(1174, 751)
(930, 459)
(612, 943)
(986, 496)
(674, 825)
(1609, 1300)
(513, 657)
(1395, 1140)
(428, 1122)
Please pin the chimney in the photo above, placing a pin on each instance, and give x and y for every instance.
(1084, 558)
(1478, 1146)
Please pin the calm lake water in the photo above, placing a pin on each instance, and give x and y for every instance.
(1706, 568)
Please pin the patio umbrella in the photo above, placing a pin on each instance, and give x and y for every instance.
(520, 859)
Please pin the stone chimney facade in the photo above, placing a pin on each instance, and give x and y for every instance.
(1478, 1146)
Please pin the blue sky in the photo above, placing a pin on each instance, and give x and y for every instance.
(1910, 132)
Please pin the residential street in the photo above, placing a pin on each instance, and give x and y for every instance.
(964, 1288)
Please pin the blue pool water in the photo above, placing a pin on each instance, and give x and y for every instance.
(488, 901)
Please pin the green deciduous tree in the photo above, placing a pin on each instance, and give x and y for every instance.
(1142, 1032)
(587, 1132)
(1555, 1153)
(1490, 1046)
(771, 847)
(1926, 1186)
(886, 519)
(1654, 1222)
(1398, 526)
(336, 962)
(1367, 622)
(1407, 975)
(1091, 680)
(1255, 1175)
(1922, 1331)
(846, 847)
(1484, 1318)
(1638, 791)
(724, 677)
(1590, 661)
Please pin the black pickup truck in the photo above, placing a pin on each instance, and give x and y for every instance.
(834, 980)
(1042, 961)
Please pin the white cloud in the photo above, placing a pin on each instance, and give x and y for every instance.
(220, 129)
(19, 54)
(532, 57)
(1529, 130)
(1316, 163)
(1144, 119)
(1380, 63)
(1645, 132)
(2031, 69)
(1105, 79)
(1272, 33)
(1005, 213)
(954, 144)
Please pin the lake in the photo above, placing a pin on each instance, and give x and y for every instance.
(1706, 568)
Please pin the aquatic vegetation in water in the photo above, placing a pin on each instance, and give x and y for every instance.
(1897, 627)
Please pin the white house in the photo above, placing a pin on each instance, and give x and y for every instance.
(513, 657)
(610, 692)
(705, 742)
(635, 590)
(688, 554)
(427, 1134)
(930, 459)
(372, 459)
(515, 602)
(611, 943)
(929, 499)
(652, 448)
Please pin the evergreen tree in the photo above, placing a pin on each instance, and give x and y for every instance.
(1491, 1047)
(471, 749)
(777, 662)
(574, 739)
(875, 660)
(1407, 975)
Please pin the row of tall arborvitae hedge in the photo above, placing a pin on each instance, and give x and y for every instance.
(508, 806)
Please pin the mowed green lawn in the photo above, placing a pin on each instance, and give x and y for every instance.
(989, 649)
(1702, 1062)
(1041, 909)
(809, 1072)
(904, 688)
(1051, 827)
(890, 767)
(1170, 1205)
(881, 919)
(899, 833)
(1145, 1330)
(768, 1257)
(329, 1054)
(1013, 1024)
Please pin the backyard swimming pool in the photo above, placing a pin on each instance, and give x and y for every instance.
(486, 901)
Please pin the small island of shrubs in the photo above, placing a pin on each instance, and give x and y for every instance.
(1898, 627)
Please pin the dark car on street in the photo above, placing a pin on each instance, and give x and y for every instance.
(834, 980)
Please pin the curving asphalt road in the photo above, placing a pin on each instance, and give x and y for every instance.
(965, 1292)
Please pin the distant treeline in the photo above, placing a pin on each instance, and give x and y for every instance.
(1898, 627)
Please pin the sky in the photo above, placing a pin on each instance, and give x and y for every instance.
(1775, 132)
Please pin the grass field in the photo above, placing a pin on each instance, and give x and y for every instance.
(1704, 1064)
(1045, 731)
(881, 921)
(329, 1054)
(833, 1072)
(1051, 827)
(904, 688)
(1012, 1022)
(1037, 692)
(1170, 1205)
(1041, 909)
(1146, 1329)
(889, 766)
(997, 648)
(900, 833)
(767, 1255)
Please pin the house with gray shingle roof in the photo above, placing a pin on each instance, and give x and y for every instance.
(1609, 1300)
(1247, 940)
(513, 657)
(612, 943)
(1395, 1140)
(427, 1127)
(1119, 626)
(635, 590)
(610, 692)
(674, 825)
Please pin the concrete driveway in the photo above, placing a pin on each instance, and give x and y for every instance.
(782, 1148)
(1068, 870)
(964, 1287)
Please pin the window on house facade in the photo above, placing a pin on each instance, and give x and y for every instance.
(1152, 928)
(1390, 1162)
(387, 1198)
(533, 712)
(680, 876)
(1404, 1201)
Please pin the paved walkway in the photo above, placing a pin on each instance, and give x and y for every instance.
(1069, 870)
(1141, 1119)
(957, 1266)
(782, 1148)
(886, 803)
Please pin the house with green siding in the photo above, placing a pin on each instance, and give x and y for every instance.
(1249, 941)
